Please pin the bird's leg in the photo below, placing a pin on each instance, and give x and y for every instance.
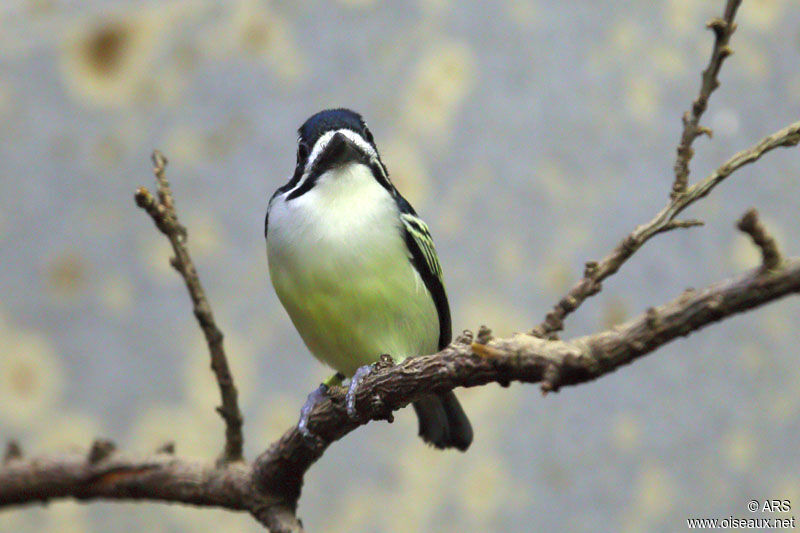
(355, 381)
(334, 380)
(313, 399)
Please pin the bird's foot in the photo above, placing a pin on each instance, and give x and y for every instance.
(355, 381)
(319, 394)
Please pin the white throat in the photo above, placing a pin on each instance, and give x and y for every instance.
(346, 207)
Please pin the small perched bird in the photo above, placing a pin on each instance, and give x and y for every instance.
(356, 268)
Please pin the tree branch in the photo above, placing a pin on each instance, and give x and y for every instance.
(13, 451)
(596, 272)
(159, 477)
(723, 28)
(522, 358)
(270, 487)
(162, 211)
(750, 224)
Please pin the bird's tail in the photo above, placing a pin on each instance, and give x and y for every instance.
(442, 421)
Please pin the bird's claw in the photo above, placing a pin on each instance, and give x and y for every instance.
(355, 381)
(319, 394)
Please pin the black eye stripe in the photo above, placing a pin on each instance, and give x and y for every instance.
(302, 152)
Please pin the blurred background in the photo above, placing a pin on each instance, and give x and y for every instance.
(531, 136)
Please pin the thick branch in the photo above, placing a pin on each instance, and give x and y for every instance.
(162, 211)
(519, 358)
(157, 478)
(723, 28)
(160, 477)
(270, 488)
(596, 272)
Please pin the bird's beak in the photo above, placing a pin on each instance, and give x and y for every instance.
(339, 151)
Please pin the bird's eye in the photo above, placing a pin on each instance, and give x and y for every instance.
(368, 135)
(302, 152)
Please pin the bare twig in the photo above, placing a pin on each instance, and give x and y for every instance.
(167, 448)
(596, 272)
(723, 28)
(101, 449)
(13, 452)
(674, 224)
(750, 224)
(162, 211)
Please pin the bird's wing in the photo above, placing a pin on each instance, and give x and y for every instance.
(422, 238)
(423, 257)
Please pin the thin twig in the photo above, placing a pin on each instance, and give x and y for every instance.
(162, 211)
(166, 448)
(101, 450)
(13, 452)
(674, 224)
(750, 224)
(680, 198)
(596, 272)
(723, 28)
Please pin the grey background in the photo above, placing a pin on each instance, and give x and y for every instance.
(531, 136)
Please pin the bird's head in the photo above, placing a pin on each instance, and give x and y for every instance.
(333, 138)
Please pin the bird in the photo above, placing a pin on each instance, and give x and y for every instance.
(356, 269)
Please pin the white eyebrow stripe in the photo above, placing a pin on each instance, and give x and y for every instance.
(325, 138)
(319, 147)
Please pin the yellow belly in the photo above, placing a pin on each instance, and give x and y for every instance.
(341, 269)
(350, 322)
